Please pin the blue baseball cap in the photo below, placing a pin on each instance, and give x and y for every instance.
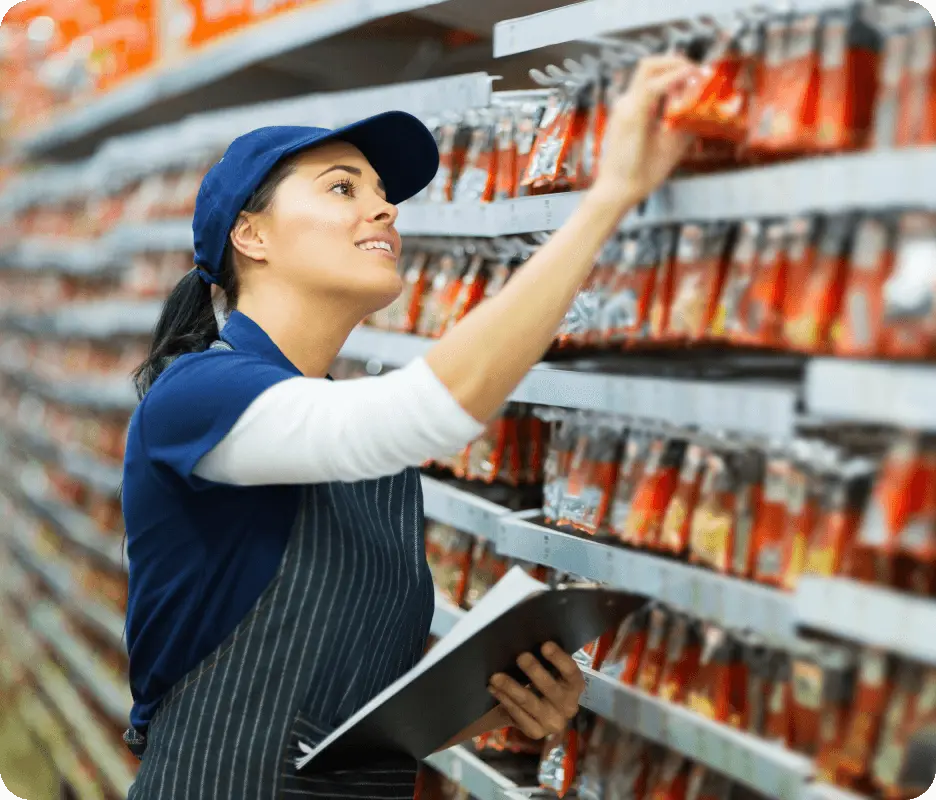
(398, 146)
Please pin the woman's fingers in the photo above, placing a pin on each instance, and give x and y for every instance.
(521, 719)
(567, 666)
(545, 713)
(545, 683)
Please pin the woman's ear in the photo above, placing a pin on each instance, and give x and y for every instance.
(247, 237)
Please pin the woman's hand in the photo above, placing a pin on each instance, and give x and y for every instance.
(555, 701)
(639, 152)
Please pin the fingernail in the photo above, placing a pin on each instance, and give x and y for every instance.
(525, 660)
(549, 649)
(498, 680)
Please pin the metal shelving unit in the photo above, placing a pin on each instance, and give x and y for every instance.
(874, 392)
(470, 772)
(871, 615)
(732, 602)
(460, 509)
(768, 769)
(758, 408)
(218, 60)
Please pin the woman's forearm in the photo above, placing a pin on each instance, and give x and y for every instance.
(494, 720)
(483, 358)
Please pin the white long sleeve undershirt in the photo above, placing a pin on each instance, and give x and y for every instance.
(312, 430)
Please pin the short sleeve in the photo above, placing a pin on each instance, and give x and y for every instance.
(197, 401)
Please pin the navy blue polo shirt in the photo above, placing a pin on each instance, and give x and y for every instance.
(200, 553)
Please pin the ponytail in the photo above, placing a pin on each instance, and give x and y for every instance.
(187, 323)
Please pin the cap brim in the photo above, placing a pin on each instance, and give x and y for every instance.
(402, 151)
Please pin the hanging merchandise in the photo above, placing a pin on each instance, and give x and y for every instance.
(910, 320)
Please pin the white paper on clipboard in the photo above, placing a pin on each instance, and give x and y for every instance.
(515, 587)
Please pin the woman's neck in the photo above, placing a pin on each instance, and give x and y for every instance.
(309, 333)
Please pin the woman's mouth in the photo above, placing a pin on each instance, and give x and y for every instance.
(377, 246)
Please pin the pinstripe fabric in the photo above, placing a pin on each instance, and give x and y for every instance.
(346, 615)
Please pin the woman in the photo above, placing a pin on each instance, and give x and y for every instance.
(278, 578)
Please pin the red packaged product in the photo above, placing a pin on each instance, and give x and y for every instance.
(916, 123)
(875, 683)
(593, 135)
(778, 726)
(562, 440)
(654, 492)
(717, 107)
(705, 784)
(701, 264)
(849, 68)
(718, 686)
(478, 175)
(823, 683)
(909, 303)
(797, 106)
(765, 103)
(627, 311)
(890, 112)
(453, 141)
(859, 331)
(654, 655)
(623, 660)
(770, 533)
(505, 144)
(552, 166)
(527, 126)
(808, 328)
(440, 296)
(683, 651)
(730, 318)
(761, 320)
(559, 761)
(805, 489)
(661, 304)
(674, 532)
(470, 292)
(673, 779)
(630, 474)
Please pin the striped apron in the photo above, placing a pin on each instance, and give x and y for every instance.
(346, 615)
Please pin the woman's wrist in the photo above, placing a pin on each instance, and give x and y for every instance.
(612, 197)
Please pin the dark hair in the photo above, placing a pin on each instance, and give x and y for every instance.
(187, 321)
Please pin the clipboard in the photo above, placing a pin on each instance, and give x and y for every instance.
(422, 715)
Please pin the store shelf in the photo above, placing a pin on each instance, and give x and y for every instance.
(766, 768)
(825, 791)
(461, 509)
(481, 780)
(872, 391)
(220, 60)
(113, 697)
(53, 737)
(100, 395)
(732, 602)
(501, 218)
(557, 26)
(107, 623)
(446, 616)
(100, 746)
(868, 614)
(759, 408)
(874, 180)
(71, 524)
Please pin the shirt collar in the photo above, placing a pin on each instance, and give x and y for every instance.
(246, 336)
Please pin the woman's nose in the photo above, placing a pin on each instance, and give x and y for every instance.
(384, 212)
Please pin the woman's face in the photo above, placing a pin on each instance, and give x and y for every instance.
(330, 230)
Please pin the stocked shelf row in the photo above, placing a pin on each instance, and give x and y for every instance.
(221, 59)
(768, 769)
(862, 613)
(879, 180)
(481, 780)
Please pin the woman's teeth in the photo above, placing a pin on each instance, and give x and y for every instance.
(375, 246)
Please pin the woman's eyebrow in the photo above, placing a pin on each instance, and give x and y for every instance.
(351, 170)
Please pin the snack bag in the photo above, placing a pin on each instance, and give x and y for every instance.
(478, 175)
(529, 121)
(916, 123)
(654, 655)
(562, 441)
(809, 328)
(630, 475)
(859, 331)
(660, 305)
(892, 80)
(717, 107)
(683, 650)
(717, 688)
(593, 135)
(470, 292)
(626, 653)
(805, 488)
(770, 533)
(552, 163)
(559, 761)
(487, 568)
(823, 683)
(449, 553)
(505, 155)
(699, 276)
(730, 318)
(453, 142)
(804, 234)
(795, 122)
(674, 532)
(849, 68)
(909, 305)
(767, 97)
(654, 492)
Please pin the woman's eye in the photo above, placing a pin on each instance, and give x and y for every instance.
(343, 187)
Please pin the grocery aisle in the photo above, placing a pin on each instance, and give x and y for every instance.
(735, 420)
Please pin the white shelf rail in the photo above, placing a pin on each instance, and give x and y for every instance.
(446, 616)
(556, 26)
(766, 768)
(871, 615)
(481, 780)
(747, 407)
(732, 602)
(460, 509)
(874, 392)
